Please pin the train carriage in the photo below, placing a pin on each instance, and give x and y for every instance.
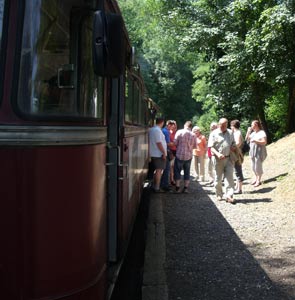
(73, 147)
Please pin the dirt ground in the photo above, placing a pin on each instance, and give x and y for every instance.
(264, 217)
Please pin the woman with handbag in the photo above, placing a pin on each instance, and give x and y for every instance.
(258, 140)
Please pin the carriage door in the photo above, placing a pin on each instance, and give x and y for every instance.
(114, 166)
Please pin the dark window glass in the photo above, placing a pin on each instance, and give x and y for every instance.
(2, 3)
(56, 74)
(135, 105)
(90, 85)
(129, 100)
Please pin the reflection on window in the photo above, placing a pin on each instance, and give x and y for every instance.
(49, 81)
(129, 100)
(90, 84)
(2, 2)
(135, 106)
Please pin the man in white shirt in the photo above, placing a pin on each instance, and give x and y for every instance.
(157, 152)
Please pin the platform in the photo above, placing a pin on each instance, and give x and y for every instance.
(196, 250)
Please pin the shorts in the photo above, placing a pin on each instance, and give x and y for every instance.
(158, 163)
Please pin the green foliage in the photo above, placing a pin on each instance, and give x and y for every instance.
(206, 59)
(276, 113)
(166, 70)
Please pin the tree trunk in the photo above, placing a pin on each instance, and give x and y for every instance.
(258, 89)
(263, 121)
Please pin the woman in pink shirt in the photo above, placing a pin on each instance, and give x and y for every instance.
(199, 154)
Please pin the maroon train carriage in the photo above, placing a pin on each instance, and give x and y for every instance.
(73, 147)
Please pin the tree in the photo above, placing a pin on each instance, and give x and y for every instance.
(166, 70)
(237, 55)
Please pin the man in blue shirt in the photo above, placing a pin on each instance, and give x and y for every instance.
(166, 173)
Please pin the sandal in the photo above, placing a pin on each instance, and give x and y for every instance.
(257, 184)
(230, 200)
(253, 182)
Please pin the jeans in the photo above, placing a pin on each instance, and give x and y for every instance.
(166, 175)
(179, 165)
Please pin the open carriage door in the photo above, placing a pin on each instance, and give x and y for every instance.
(118, 172)
(108, 62)
(113, 158)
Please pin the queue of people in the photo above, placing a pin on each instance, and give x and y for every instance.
(172, 152)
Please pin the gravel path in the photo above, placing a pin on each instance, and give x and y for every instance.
(265, 223)
(216, 250)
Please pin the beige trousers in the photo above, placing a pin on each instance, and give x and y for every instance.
(224, 169)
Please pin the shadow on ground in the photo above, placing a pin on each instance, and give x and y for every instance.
(278, 177)
(129, 282)
(205, 259)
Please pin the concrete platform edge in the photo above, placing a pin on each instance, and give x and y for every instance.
(154, 285)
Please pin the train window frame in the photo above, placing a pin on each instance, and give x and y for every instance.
(74, 48)
(135, 104)
(129, 99)
(3, 42)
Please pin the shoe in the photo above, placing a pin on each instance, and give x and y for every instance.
(185, 190)
(173, 183)
(195, 179)
(238, 192)
(219, 198)
(230, 200)
(167, 189)
(177, 190)
(158, 191)
(257, 184)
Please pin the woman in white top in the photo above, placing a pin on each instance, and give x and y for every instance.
(258, 141)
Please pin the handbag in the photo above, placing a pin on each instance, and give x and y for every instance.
(240, 156)
(237, 156)
(233, 157)
(245, 147)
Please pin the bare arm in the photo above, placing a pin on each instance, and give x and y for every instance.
(261, 141)
(249, 131)
(216, 153)
(161, 148)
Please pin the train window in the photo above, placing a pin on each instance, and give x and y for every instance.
(129, 100)
(2, 3)
(91, 86)
(3, 39)
(143, 109)
(135, 105)
(56, 75)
